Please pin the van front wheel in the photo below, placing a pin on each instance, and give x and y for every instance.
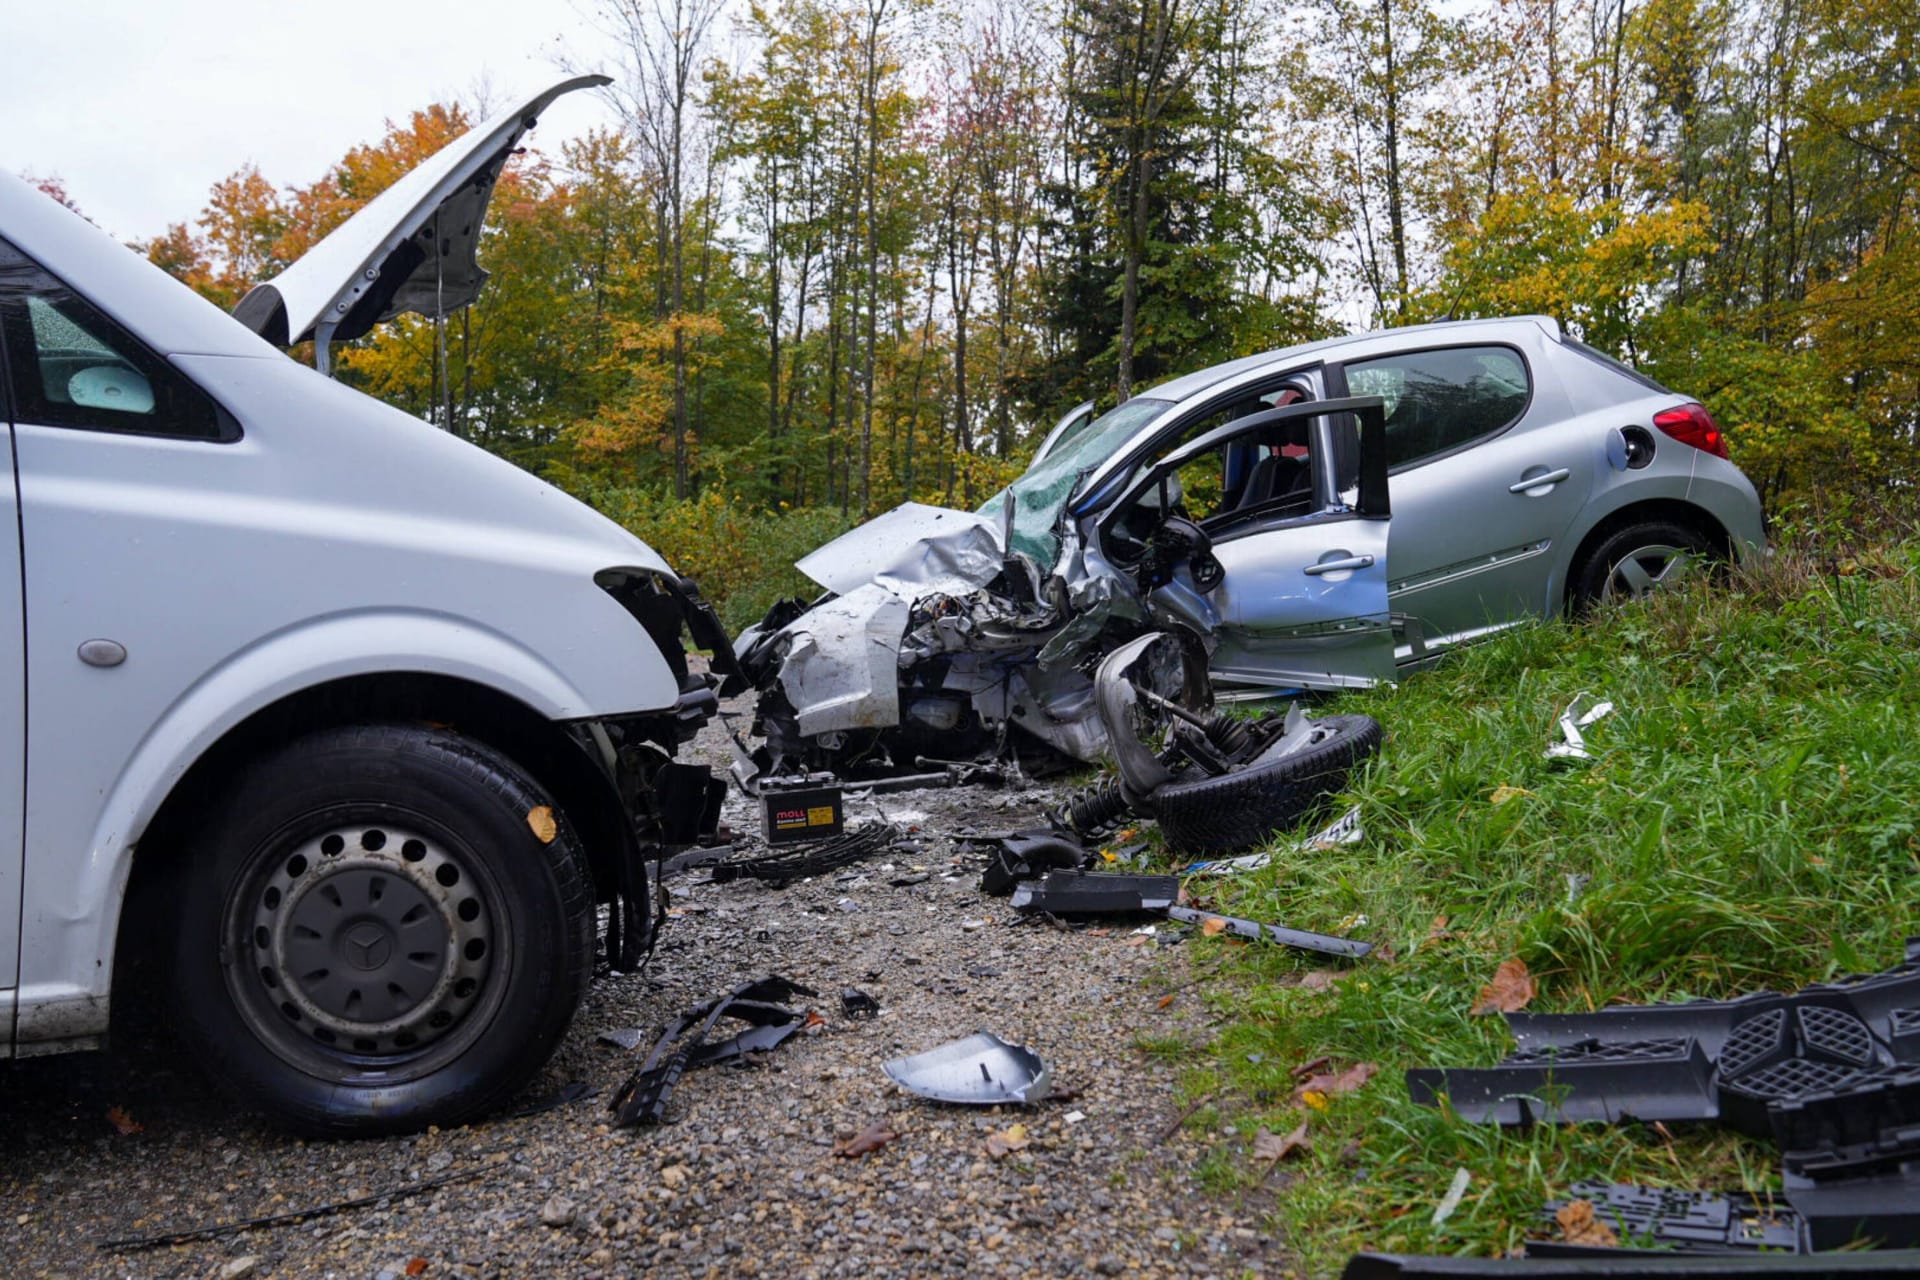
(384, 927)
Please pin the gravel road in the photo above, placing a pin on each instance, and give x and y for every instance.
(742, 1181)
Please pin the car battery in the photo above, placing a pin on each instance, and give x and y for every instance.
(801, 808)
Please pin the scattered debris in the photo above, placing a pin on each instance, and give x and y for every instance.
(1096, 893)
(1025, 855)
(1342, 830)
(872, 1138)
(559, 1211)
(241, 1268)
(541, 822)
(857, 1004)
(1830, 1073)
(1510, 991)
(123, 1122)
(782, 869)
(627, 1038)
(981, 1070)
(1456, 1192)
(1299, 939)
(682, 1045)
(1624, 1264)
(1572, 721)
(131, 1244)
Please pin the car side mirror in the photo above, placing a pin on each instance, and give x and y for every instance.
(111, 386)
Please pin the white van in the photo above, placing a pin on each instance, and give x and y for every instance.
(337, 725)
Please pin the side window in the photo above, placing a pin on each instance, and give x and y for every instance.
(1440, 400)
(73, 367)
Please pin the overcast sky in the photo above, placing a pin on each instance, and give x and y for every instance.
(139, 106)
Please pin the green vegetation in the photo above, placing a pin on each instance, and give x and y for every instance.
(1749, 822)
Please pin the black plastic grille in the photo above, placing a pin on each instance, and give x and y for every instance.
(1602, 1051)
(1796, 1077)
(1836, 1033)
(1752, 1041)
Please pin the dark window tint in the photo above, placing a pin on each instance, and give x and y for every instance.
(1440, 400)
(70, 366)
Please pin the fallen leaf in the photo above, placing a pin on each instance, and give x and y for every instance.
(1317, 1088)
(1438, 931)
(871, 1138)
(416, 1266)
(1167, 1000)
(1318, 979)
(1212, 926)
(540, 818)
(814, 1019)
(1510, 990)
(1007, 1140)
(1273, 1146)
(1306, 1069)
(1579, 1226)
(1502, 794)
(119, 1119)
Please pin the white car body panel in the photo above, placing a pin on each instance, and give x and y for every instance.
(336, 537)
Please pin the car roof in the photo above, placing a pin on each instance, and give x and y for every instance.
(1192, 384)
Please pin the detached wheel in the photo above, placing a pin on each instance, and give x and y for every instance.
(1234, 811)
(1635, 561)
(373, 938)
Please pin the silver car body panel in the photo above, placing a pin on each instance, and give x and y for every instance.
(1482, 537)
(336, 537)
(912, 549)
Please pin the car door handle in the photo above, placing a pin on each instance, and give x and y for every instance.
(1540, 481)
(1339, 566)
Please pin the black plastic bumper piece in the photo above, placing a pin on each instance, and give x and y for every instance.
(1096, 893)
(1633, 1265)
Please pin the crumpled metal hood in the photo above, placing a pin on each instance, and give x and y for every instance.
(385, 260)
(913, 550)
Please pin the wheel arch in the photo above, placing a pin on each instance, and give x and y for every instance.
(558, 758)
(1676, 509)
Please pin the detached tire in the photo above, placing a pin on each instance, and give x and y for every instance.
(1638, 559)
(373, 939)
(1236, 811)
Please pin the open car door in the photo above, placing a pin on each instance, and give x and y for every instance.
(1269, 533)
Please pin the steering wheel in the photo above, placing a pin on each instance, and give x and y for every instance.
(1175, 542)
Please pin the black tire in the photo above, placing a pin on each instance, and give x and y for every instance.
(372, 938)
(1234, 811)
(1636, 559)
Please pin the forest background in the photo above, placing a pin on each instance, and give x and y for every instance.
(838, 254)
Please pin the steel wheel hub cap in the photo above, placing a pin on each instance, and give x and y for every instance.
(371, 939)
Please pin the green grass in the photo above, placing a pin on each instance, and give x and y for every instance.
(1752, 820)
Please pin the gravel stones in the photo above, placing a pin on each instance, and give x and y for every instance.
(741, 1180)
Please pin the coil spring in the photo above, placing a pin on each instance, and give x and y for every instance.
(1097, 808)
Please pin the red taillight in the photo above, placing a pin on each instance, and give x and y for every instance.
(1692, 424)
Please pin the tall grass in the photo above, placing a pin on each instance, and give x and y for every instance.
(1752, 819)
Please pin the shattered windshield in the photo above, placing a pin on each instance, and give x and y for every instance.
(1042, 492)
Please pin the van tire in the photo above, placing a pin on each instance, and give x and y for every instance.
(1228, 812)
(383, 927)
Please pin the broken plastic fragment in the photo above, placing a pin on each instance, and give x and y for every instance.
(1572, 721)
(1343, 830)
(982, 1070)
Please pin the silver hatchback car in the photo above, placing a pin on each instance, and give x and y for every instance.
(1325, 515)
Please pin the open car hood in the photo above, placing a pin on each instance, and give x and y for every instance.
(380, 263)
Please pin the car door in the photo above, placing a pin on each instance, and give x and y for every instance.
(13, 687)
(1487, 476)
(1301, 599)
